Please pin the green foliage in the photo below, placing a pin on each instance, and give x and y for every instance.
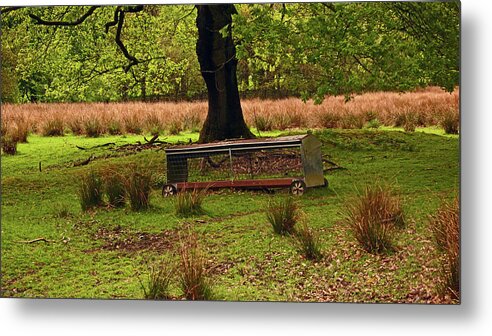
(373, 123)
(301, 49)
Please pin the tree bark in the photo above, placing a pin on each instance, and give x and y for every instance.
(217, 57)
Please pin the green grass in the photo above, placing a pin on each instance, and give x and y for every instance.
(87, 254)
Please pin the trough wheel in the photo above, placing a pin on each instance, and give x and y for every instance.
(325, 182)
(169, 190)
(298, 187)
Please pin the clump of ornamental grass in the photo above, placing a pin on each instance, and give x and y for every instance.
(280, 121)
(352, 121)
(53, 127)
(263, 123)
(445, 225)
(20, 131)
(409, 122)
(450, 122)
(75, 126)
(308, 242)
(158, 283)
(189, 203)
(114, 127)
(192, 122)
(90, 191)
(373, 123)
(137, 183)
(153, 124)
(329, 119)
(93, 128)
(9, 146)
(283, 214)
(132, 124)
(192, 269)
(174, 127)
(62, 210)
(114, 189)
(372, 218)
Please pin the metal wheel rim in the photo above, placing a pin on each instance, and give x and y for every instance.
(297, 188)
(168, 191)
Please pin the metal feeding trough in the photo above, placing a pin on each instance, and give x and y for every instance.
(285, 162)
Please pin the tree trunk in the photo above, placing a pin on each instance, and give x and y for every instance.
(217, 57)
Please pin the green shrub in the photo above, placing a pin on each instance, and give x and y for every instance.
(192, 270)
(90, 191)
(53, 127)
(159, 280)
(445, 225)
(373, 123)
(308, 242)
(282, 215)
(189, 203)
(373, 216)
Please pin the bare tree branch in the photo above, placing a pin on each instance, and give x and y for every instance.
(5, 10)
(80, 20)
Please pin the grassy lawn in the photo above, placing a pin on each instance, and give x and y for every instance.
(106, 253)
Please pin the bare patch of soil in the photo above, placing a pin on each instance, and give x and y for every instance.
(118, 239)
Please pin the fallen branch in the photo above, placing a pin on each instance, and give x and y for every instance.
(103, 145)
(151, 141)
(84, 162)
(333, 168)
(35, 240)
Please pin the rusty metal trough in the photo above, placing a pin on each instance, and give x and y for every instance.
(293, 162)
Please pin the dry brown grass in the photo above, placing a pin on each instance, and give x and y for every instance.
(373, 216)
(431, 106)
(445, 225)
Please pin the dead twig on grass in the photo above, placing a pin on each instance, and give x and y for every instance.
(98, 146)
(35, 241)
